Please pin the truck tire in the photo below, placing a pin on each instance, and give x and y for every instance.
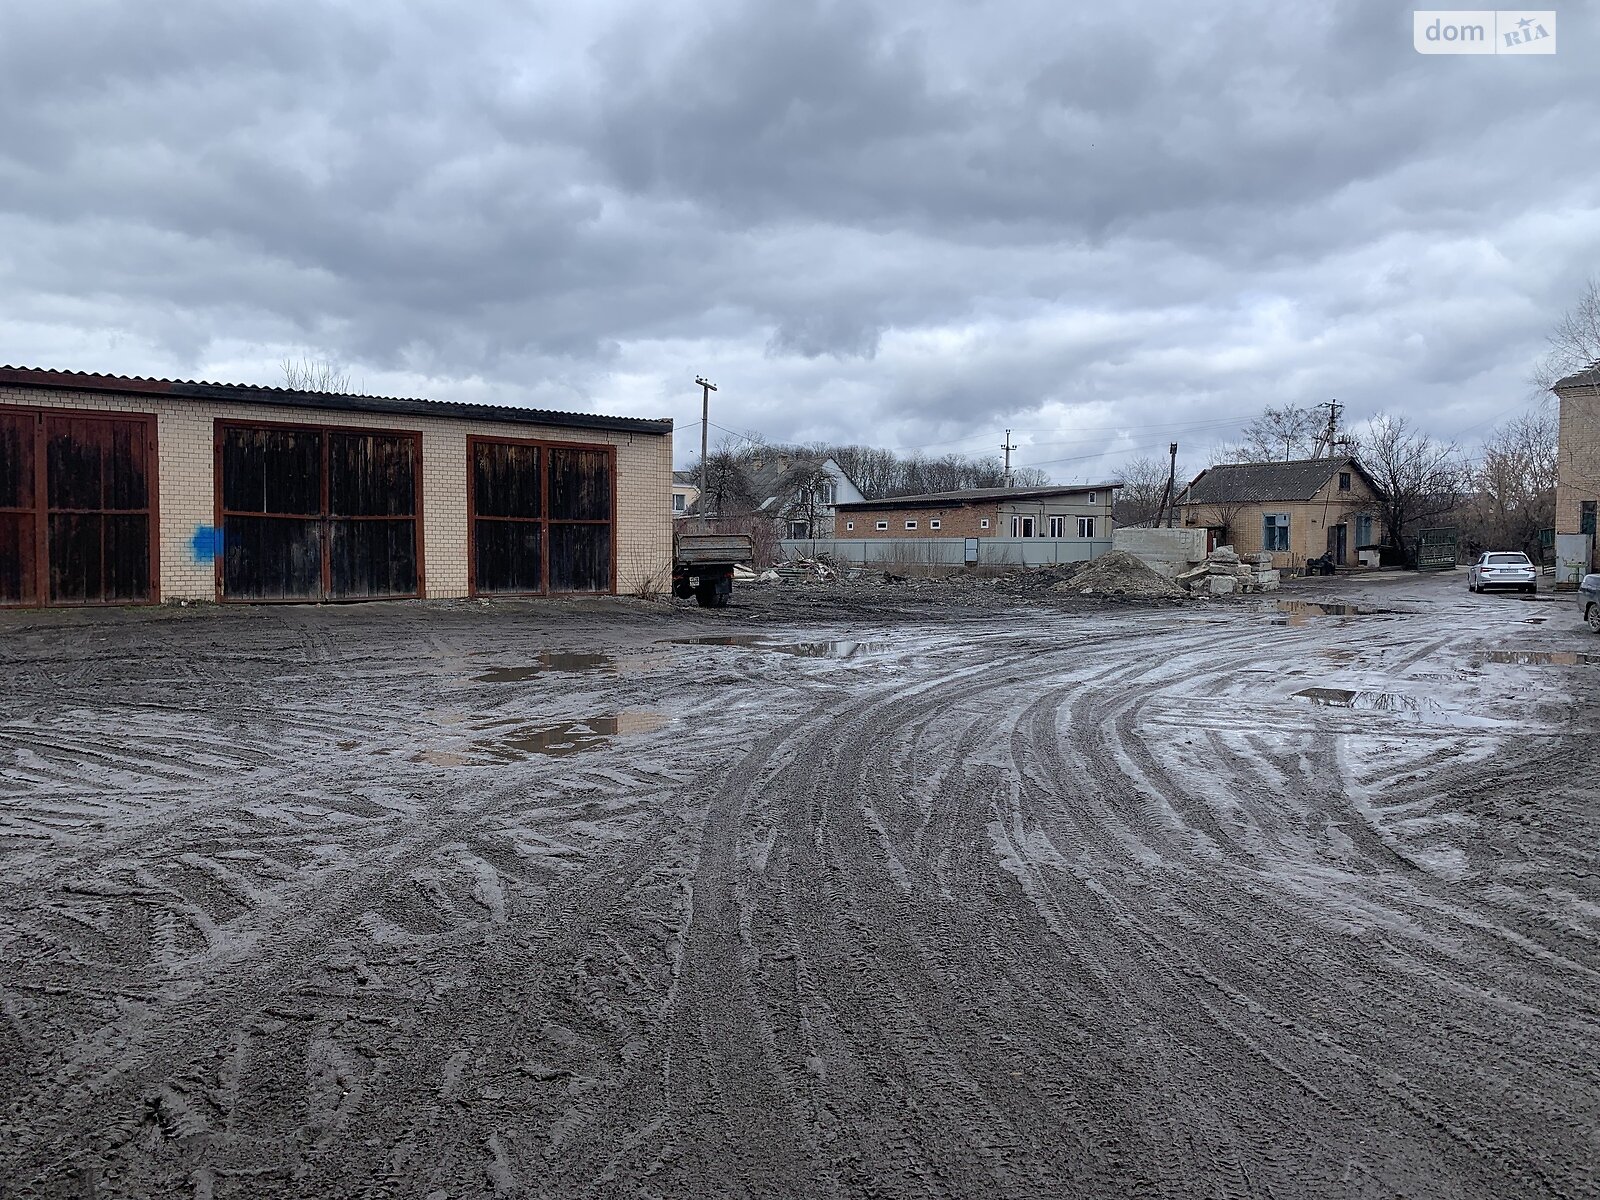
(710, 595)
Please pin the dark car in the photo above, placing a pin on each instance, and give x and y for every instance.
(1589, 601)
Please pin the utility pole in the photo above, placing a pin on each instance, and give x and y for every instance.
(1008, 448)
(1168, 508)
(706, 388)
(1330, 432)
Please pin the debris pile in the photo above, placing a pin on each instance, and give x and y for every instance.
(820, 568)
(1119, 574)
(1038, 579)
(1225, 573)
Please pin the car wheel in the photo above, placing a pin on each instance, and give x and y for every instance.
(1592, 615)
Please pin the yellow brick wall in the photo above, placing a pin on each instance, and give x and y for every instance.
(1577, 458)
(185, 440)
(1308, 522)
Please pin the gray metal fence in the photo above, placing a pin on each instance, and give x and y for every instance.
(949, 552)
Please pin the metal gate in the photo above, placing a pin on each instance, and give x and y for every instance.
(77, 508)
(311, 513)
(542, 517)
(1436, 550)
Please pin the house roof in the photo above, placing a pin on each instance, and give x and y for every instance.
(692, 478)
(1254, 483)
(245, 393)
(1588, 377)
(975, 495)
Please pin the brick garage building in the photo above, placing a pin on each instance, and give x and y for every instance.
(1068, 511)
(121, 491)
(1578, 457)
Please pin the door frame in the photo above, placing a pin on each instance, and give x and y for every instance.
(41, 502)
(220, 424)
(543, 445)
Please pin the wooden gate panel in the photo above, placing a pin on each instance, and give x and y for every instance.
(580, 557)
(271, 558)
(580, 484)
(508, 556)
(506, 506)
(371, 559)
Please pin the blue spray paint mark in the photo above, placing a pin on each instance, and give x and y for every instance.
(206, 543)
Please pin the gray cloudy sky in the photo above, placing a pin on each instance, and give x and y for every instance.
(903, 224)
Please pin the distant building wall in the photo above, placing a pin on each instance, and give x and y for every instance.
(1578, 461)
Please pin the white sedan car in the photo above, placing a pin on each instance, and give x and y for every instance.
(1502, 569)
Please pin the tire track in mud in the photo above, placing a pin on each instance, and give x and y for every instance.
(979, 915)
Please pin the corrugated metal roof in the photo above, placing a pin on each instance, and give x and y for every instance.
(973, 495)
(1588, 377)
(1253, 483)
(247, 393)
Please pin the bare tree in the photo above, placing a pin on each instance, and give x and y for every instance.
(1514, 482)
(805, 489)
(306, 374)
(1280, 434)
(1423, 479)
(1574, 344)
(1144, 480)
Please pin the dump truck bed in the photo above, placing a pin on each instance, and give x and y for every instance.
(695, 549)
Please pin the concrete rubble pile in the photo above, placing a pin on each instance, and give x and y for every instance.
(1225, 573)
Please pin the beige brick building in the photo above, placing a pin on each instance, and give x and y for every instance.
(118, 490)
(1075, 511)
(1578, 458)
(1295, 510)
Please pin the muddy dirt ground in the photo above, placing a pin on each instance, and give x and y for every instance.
(840, 892)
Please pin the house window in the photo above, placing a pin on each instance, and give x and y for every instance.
(1086, 527)
(911, 524)
(1275, 531)
(1344, 481)
(881, 525)
(1022, 527)
(1586, 516)
(825, 493)
(1092, 497)
(799, 530)
(849, 525)
(1363, 530)
(679, 502)
(935, 524)
(1058, 527)
(983, 524)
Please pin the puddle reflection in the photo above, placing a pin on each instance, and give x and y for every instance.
(1538, 658)
(839, 649)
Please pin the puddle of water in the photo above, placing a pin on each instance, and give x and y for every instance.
(551, 660)
(1300, 612)
(441, 758)
(557, 739)
(800, 649)
(1421, 708)
(1539, 658)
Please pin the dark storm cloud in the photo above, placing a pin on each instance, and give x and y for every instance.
(872, 223)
